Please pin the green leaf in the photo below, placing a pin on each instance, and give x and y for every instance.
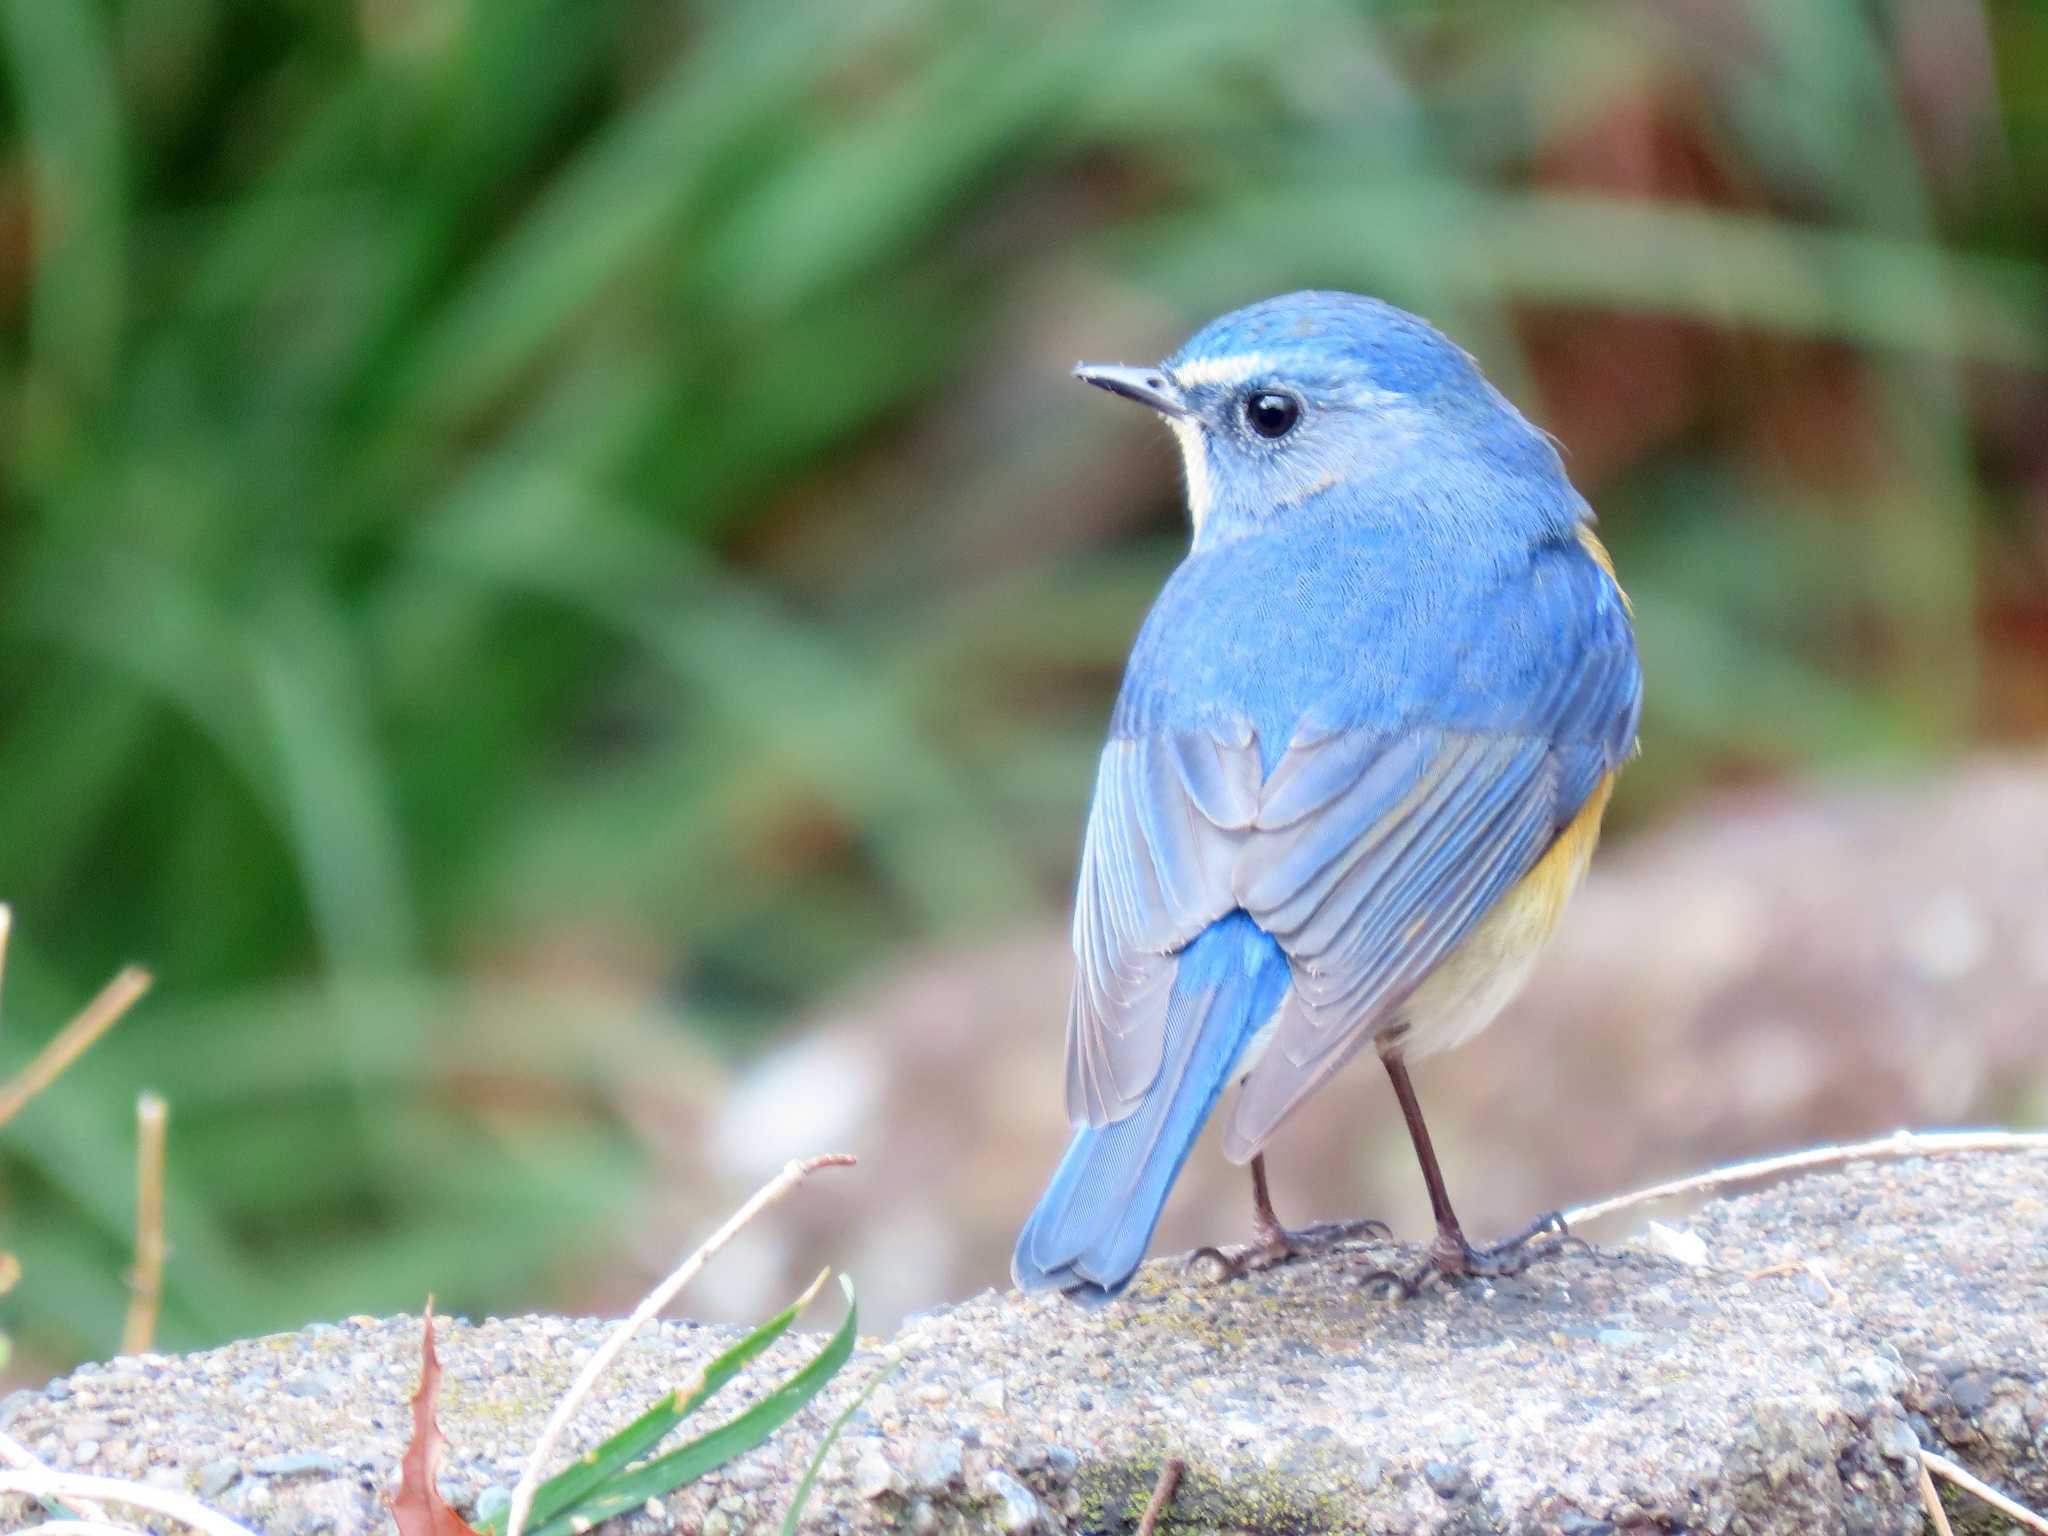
(560, 1493)
(736, 1437)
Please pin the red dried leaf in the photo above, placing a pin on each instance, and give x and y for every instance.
(418, 1506)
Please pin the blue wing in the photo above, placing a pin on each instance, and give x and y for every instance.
(1384, 831)
(1169, 813)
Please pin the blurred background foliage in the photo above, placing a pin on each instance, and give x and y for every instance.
(538, 537)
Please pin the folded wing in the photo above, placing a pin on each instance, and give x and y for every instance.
(1382, 835)
(1170, 812)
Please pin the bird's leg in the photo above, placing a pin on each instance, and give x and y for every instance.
(1450, 1255)
(1284, 1243)
(1266, 1226)
(1448, 1252)
(1272, 1244)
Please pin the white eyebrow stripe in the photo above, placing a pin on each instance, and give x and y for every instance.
(1234, 369)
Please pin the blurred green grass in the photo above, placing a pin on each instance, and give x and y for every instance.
(540, 537)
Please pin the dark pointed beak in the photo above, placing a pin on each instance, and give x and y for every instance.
(1147, 386)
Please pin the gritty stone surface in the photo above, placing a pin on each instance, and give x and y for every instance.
(1946, 1261)
(1745, 1390)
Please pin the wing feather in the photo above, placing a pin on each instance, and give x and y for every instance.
(1168, 814)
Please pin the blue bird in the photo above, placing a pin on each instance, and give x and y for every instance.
(1356, 769)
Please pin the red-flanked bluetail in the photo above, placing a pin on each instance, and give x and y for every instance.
(1356, 769)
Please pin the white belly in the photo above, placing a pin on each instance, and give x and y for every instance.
(1475, 982)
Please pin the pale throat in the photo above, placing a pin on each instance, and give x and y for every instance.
(1223, 372)
(1194, 458)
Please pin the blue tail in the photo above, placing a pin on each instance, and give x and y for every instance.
(1096, 1217)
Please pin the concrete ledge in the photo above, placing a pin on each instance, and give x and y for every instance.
(1615, 1390)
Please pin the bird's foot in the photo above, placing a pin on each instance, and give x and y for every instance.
(1452, 1258)
(1273, 1246)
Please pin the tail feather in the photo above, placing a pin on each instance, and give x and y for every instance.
(1093, 1223)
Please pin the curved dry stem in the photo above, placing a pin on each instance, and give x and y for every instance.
(15, 1454)
(1970, 1483)
(1930, 1504)
(75, 1487)
(1162, 1496)
(1898, 1144)
(146, 1280)
(6, 932)
(74, 1039)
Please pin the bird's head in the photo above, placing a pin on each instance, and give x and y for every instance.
(1312, 395)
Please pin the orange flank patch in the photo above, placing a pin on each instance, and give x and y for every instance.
(1478, 978)
(1544, 891)
(1590, 542)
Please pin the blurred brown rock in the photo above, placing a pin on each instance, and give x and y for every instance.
(1786, 967)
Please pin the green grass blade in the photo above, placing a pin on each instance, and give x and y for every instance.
(734, 1438)
(560, 1493)
(802, 1496)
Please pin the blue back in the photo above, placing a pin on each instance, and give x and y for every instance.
(1311, 629)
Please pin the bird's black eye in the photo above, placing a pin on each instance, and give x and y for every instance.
(1270, 413)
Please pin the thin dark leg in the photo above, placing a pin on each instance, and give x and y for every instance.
(1272, 1244)
(1449, 1252)
(1265, 1225)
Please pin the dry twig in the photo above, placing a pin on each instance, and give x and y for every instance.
(15, 1454)
(74, 1039)
(146, 1280)
(6, 932)
(1898, 1144)
(75, 1487)
(1930, 1501)
(1969, 1482)
(543, 1451)
(1162, 1495)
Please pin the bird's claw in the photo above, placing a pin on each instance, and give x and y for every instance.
(1459, 1260)
(1280, 1245)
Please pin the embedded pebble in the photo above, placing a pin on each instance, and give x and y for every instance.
(989, 1394)
(215, 1476)
(875, 1478)
(1020, 1509)
(297, 1464)
(936, 1464)
(1450, 1480)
